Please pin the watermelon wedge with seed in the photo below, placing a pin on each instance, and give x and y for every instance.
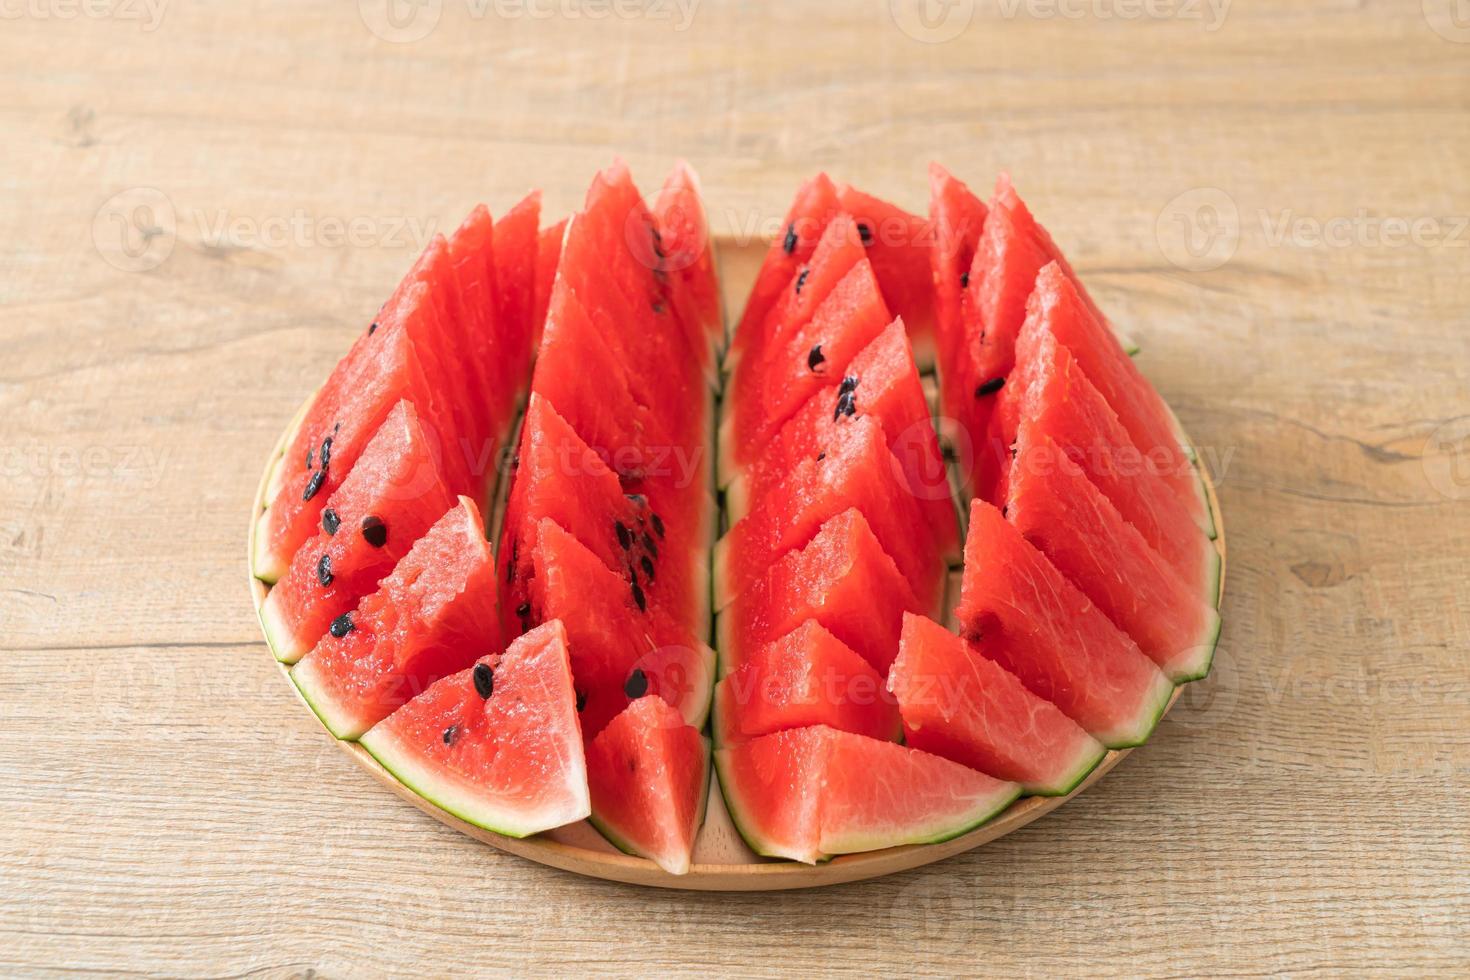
(496, 744)
(956, 217)
(688, 259)
(898, 245)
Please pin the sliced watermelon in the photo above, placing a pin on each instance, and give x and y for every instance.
(881, 382)
(956, 216)
(1049, 398)
(472, 255)
(842, 578)
(548, 255)
(898, 245)
(392, 497)
(807, 677)
(1056, 508)
(1140, 409)
(433, 616)
(1051, 636)
(859, 471)
(810, 793)
(611, 638)
(648, 773)
(688, 257)
(962, 706)
(516, 270)
(497, 745)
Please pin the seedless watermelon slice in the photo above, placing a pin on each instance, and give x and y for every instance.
(498, 744)
(688, 257)
(962, 706)
(516, 268)
(548, 256)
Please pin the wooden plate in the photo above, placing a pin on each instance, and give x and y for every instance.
(722, 862)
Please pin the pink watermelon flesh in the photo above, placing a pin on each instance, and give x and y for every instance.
(898, 246)
(688, 260)
(611, 639)
(548, 255)
(1058, 510)
(1051, 636)
(962, 706)
(881, 382)
(957, 217)
(516, 267)
(497, 745)
(648, 773)
(1140, 409)
(807, 677)
(1054, 401)
(434, 615)
(842, 578)
(392, 497)
(810, 793)
(859, 471)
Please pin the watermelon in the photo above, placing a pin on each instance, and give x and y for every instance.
(389, 500)
(1040, 627)
(516, 269)
(648, 773)
(1057, 509)
(810, 793)
(842, 578)
(898, 245)
(807, 677)
(688, 257)
(548, 255)
(496, 744)
(434, 615)
(956, 217)
(958, 704)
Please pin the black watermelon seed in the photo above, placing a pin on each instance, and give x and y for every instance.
(341, 626)
(638, 596)
(330, 521)
(484, 680)
(314, 484)
(821, 456)
(324, 569)
(648, 544)
(646, 564)
(1005, 510)
(658, 306)
(846, 405)
(636, 499)
(625, 536)
(450, 733)
(815, 357)
(990, 387)
(581, 701)
(965, 279)
(865, 233)
(310, 455)
(374, 531)
(373, 328)
(849, 383)
(789, 245)
(658, 524)
(801, 280)
(326, 451)
(523, 613)
(637, 684)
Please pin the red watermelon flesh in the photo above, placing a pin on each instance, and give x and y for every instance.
(548, 255)
(516, 260)
(810, 793)
(648, 773)
(392, 496)
(812, 208)
(881, 382)
(1054, 401)
(510, 762)
(1139, 408)
(858, 470)
(898, 246)
(842, 578)
(688, 256)
(611, 637)
(1051, 636)
(962, 706)
(1069, 520)
(434, 615)
(814, 357)
(957, 217)
(807, 677)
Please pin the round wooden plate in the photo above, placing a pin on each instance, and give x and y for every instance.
(722, 862)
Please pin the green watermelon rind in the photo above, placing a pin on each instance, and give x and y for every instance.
(274, 635)
(739, 818)
(1146, 720)
(620, 841)
(1087, 760)
(301, 675)
(446, 796)
(1209, 642)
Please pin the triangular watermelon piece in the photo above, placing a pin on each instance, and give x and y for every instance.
(433, 616)
(1051, 636)
(392, 497)
(548, 256)
(688, 260)
(957, 217)
(962, 706)
(516, 267)
(497, 744)
(898, 245)
(648, 773)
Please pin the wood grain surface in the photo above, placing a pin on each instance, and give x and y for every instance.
(200, 203)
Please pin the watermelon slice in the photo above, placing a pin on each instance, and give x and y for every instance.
(548, 255)
(649, 777)
(1140, 410)
(958, 704)
(688, 257)
(898, 245)
(497, 744)
(956, 216)
(611, 639)
(392, 497)
(516, 268)
(1041, 628)
(810, 793)
(807, 677)
(842, 578)
(433, 616)
(1069, 520)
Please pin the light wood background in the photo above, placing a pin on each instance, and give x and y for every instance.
(167, 807)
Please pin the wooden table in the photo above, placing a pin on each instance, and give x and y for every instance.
(167, 807)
